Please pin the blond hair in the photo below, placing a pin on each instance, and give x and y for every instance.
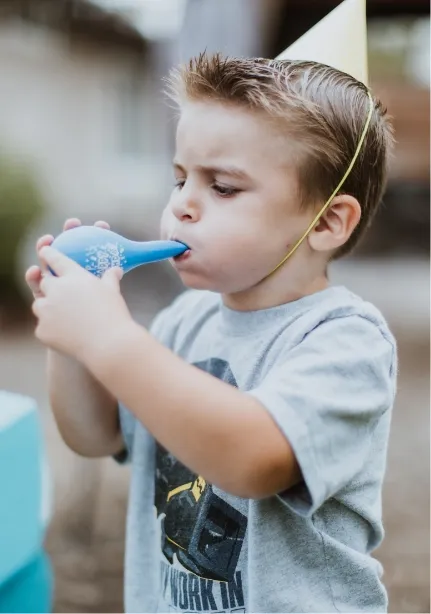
(323, 108)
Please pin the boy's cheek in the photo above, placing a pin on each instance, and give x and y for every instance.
(166, 224)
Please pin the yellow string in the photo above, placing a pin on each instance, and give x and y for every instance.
(334, 193)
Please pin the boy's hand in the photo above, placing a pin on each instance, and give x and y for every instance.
(34, 274)
(77, 312)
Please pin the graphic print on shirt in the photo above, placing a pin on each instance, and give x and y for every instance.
(202, 535)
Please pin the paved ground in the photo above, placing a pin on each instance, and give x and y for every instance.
(87, 533)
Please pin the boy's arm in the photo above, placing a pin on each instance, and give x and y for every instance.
(309, 424)
(85, 412)
(214, 429)
(324, 399)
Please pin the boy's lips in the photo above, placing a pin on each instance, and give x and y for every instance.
(184, 254)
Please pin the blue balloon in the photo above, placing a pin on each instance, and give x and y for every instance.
(98, 249)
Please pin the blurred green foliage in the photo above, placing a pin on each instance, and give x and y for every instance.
(21, 204)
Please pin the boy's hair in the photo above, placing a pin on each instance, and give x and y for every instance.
(323, 108)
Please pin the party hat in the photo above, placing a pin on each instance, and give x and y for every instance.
(338, 40)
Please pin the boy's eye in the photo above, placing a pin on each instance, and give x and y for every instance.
(179, 183)
(224, 190)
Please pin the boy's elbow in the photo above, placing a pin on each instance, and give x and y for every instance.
(100, 448)
(264, 479)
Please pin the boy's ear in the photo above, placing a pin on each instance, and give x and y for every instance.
(337, 224)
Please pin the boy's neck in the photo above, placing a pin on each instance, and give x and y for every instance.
(274, 291)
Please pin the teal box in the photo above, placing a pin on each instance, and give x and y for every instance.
(21, 530)
(30, 590)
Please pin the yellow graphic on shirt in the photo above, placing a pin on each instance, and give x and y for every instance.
(201, 530)
(197, 488)
(178, 489)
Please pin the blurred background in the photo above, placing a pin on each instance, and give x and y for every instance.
(85, 131)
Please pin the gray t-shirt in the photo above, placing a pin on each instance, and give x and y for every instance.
(325, 368)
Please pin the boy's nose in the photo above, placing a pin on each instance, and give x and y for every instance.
(186, 208)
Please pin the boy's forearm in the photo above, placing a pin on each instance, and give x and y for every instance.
(85, 412)
(217, 431)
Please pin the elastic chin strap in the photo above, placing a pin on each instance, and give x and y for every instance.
(334, 193)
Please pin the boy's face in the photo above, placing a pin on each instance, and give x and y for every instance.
(236, 198)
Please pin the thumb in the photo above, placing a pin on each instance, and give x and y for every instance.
(57, 261)
(112, 277)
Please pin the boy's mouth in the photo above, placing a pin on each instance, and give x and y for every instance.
(185, 254)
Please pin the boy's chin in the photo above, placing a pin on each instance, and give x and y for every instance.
(198, 282)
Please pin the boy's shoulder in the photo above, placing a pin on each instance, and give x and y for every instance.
(193, 308)
(338, 302)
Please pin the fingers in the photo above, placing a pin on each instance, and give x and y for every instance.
(45, 284)
(58, 262)
(72, 222)
(37, 281)
(45, 240)
(102, 224)
(112, 277)
(33, 277)
(37, 306)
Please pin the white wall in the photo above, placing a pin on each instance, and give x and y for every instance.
(60, 106)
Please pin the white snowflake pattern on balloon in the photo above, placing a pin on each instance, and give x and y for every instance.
(100, 258)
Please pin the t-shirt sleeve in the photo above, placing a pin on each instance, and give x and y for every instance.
(327, 396)
(127, 426)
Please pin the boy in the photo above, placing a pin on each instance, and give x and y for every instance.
(256, 414)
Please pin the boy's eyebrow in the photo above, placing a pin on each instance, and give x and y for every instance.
(233, 171)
